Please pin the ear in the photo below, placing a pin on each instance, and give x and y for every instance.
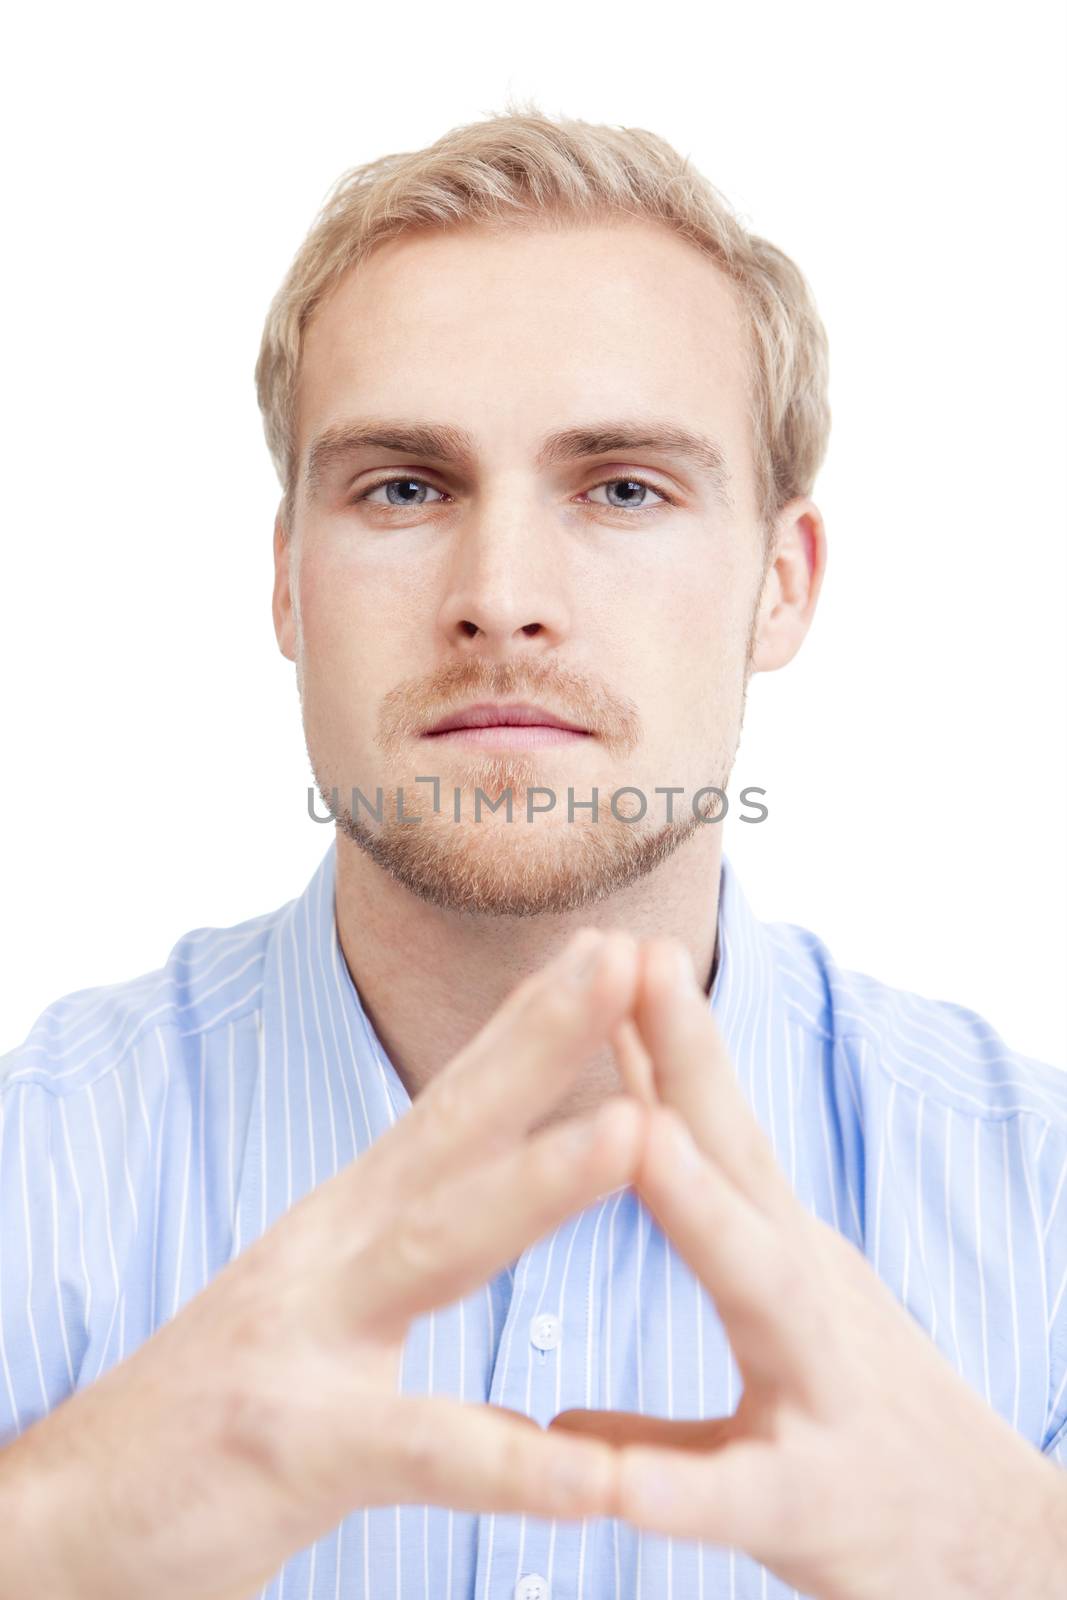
(282, 602)
(791, 586)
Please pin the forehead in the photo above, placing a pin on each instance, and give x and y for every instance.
(526, 330)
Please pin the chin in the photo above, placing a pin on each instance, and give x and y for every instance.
(515, 869)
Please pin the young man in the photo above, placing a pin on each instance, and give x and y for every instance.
(301, 1233)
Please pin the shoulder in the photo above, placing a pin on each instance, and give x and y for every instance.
(212, 977)
(947, 1156)
(934, 1047)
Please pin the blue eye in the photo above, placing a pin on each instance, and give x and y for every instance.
(630, 483)
(399, 495)
(405, 483)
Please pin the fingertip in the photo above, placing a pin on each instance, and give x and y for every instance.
(619, 963)
(610, 980)
(647, 1488)
(568, 1421)
(516, 1416)
(585, 1476)
(622, 940)
(621, 1124)
(580, 955)
(668, 970)
(655, 990)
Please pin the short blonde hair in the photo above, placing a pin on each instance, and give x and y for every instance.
(524, 168)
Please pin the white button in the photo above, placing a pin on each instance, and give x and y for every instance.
(531, 1587)
(544, 1333)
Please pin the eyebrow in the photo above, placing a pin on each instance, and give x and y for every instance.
(437, 442)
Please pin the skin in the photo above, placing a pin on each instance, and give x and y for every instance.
(859, 1465)
(513, 578)
(252, 1422)
(524, 581)
(255, 1419)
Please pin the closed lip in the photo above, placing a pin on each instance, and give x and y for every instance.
(507, 714)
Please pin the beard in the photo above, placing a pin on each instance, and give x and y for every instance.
(455, 858)
(520, 869)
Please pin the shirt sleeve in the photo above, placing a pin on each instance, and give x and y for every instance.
(1054, 1187)
(41, 1288)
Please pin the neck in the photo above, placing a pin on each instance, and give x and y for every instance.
(430, 978)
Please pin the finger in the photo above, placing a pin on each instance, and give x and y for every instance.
(694, 1074)
(518, 1067)
(724, 1497)
(635, 1068)
(520, 1416)
(448, 1241)
(481, 1458)
(746, 1261)
(619, 1428)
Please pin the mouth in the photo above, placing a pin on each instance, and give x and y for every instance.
(517, 725)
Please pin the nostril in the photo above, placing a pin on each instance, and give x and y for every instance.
(469, 628)
(532, 628)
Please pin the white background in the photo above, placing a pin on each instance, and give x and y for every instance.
(162, 166)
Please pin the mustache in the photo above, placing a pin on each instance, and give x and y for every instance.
(416, 703)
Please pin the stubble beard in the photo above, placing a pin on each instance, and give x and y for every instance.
(523, 867)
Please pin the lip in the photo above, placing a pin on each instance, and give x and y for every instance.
(499, 717)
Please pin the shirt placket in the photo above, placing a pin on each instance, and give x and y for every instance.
(540, 1368)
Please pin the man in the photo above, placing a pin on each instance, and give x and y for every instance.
(302, 1233)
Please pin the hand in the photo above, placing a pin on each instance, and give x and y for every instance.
(268, 1408)
(858, 1465)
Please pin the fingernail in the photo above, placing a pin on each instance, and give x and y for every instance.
(684, 976)
(582, 954)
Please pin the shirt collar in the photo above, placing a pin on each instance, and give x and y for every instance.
(326, 1079)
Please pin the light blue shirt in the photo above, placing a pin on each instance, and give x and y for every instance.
(151, 1129)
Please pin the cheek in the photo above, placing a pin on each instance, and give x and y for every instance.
(355, 640)
(694, 630)
(342, 601)
(689, 653)
(370, 593)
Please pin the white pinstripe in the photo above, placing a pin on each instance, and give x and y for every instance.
(29, 1254)
(61, 1319)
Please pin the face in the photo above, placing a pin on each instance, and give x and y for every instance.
(525, 475)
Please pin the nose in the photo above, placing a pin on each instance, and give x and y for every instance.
(505, 586)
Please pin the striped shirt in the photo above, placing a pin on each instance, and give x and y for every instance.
(149, 1130)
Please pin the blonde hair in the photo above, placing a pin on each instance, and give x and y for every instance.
(524, 168)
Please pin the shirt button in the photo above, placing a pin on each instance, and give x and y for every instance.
(545, 1335)
(531, 1587)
